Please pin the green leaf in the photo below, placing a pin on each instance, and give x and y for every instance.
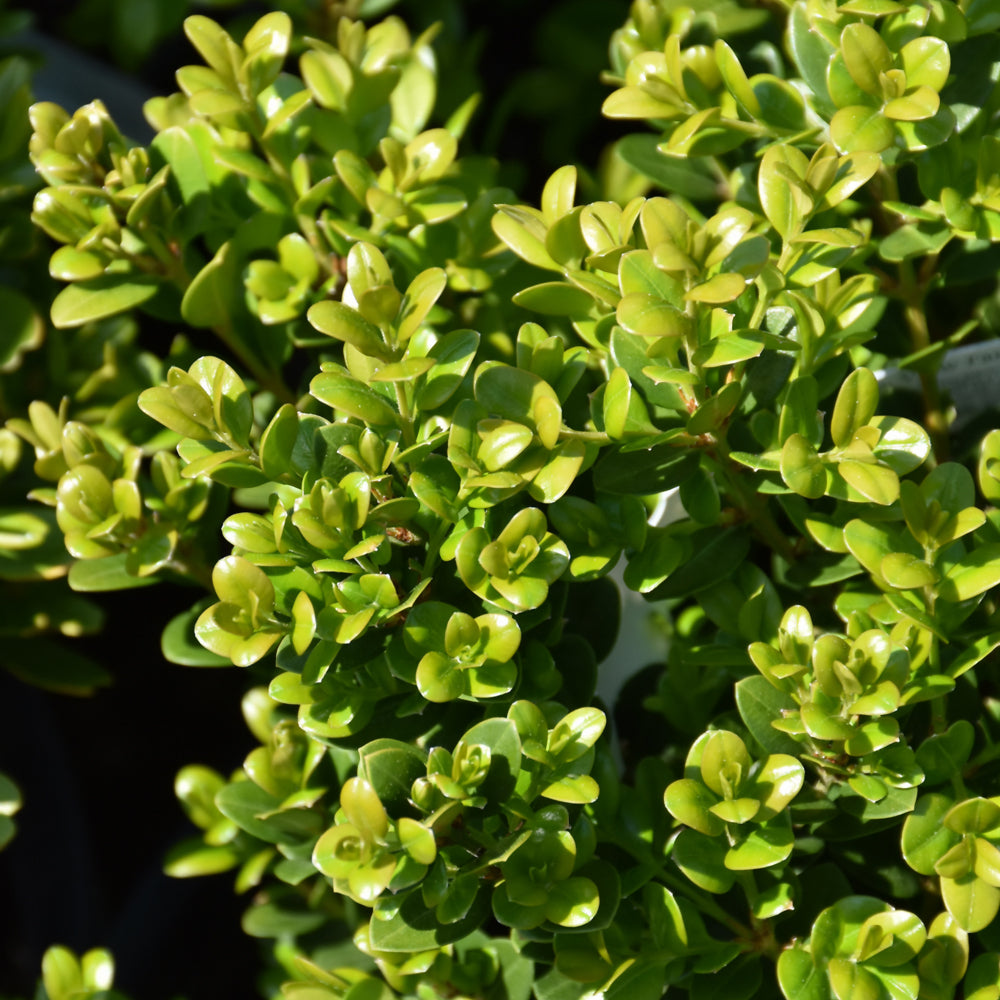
(501, 736)
(717, 555)
(266, 45)
(340, 321)
(439, 679)
(105, 573)
(260, 814)
(925, 839)
(328, 76)
(945, 754)
(352, 397)
(573, 902)
(363, 809)
(53, 666)
(926, 62)
(520, 396)
(214, 45)
(666, 921)
(558, 194)
(171, 410)
(737, 811)
(874, 482)
(724, 761)
(61, 973)
(223, 628)
(764, 846)
(859, 129)
(776, 784)
(273, 920)
(687, 177)
(718, 289)
(785, 202)
(641, 980)
(975, 815)
(799, 978)
(418, 300)
(915, 240)
(650, 316)
(243, 584)
(700, 497)
(555, 298)
(853, 172)
(972, 902)
(391, 767)
(100, 298)
(811, 51)
(649, 568)
(24, 328)
(802, 469)
(729, 350)
(523, 229)
(781, 105)
(231, 405)
(10, 796)
(821, 726)
(453, 355)
(690, 802)
(178, 643)
(907, 572)
(181, 153)
(872, 736)
(407, 925)
(711, 414)
(913, 107)
(213, 297)
(866, 56)
(973, 653)
(903, 444)
(972, 575)
(617, 398)
(759, 703)
(558, 474)
(193, 858)
(735, 79)
(287, 444)
(982, 981)
(98, 968)
(835, 931)
(798, 414)
(702, 859)
(645, 470)
(576, 733)
(856, 403)
(851, 981)
(417, 840)
(634, 102)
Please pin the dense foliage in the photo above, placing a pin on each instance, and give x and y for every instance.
(431, 446)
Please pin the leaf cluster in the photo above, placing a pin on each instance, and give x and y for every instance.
(423, 454)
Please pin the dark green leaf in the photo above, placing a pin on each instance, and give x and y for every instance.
(53, 666)
(688, 176)
(391, 767)
(717, 555)
(648, 470)
(759, 702)
(407, 925)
